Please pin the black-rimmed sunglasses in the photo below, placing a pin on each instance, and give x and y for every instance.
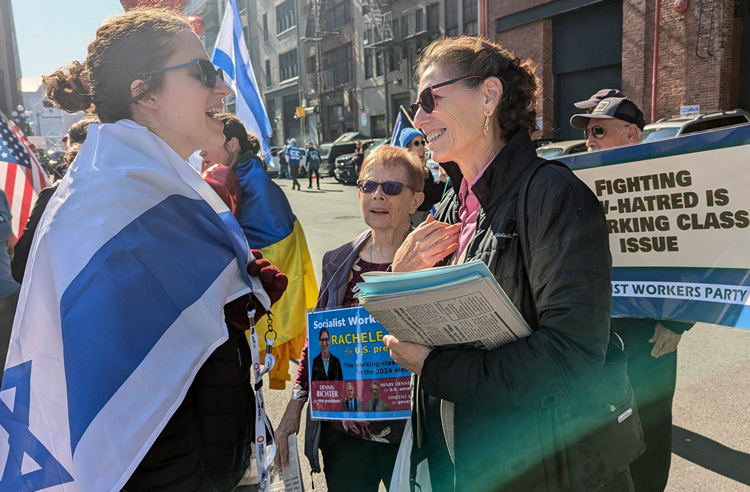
(596, 131)
(209, 73)
(416, 143)
(427, 100)
(391, 188)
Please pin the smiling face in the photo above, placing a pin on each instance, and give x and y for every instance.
(325, 343)
(388, 212)
(180, 112)
(457, 120)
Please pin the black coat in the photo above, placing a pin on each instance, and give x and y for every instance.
(498, 394)
(334, 369)
(206, 445)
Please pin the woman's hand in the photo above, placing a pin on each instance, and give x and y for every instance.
(410, 356)
(426, 245)
(289, 425)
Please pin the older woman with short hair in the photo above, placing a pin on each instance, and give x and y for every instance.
(355, 456)
(488, 420)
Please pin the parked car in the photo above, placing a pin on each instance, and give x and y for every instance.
(344, 171)
(701, 122)
(325, 151)
(345, 144)
(434, 168)
(557, 149)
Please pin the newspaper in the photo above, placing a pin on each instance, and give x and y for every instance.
(289, 478)
(458, 305)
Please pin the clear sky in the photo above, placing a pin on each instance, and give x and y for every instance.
(52, 33)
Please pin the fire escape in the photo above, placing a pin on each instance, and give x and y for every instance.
(387, 30)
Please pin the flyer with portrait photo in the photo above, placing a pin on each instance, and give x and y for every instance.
(352, 376)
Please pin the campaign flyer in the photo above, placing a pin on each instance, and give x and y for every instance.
(352, 376)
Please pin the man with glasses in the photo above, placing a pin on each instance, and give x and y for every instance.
(650, 344)
(614, 122)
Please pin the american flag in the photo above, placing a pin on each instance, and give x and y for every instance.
(21, 174)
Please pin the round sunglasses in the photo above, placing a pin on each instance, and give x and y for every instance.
(596, 131)
(416, 143)
(391, 188)
(209, 73)
(427, 100)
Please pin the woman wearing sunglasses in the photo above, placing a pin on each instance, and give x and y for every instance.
(148, 79)
(358, 457)
(481, 415)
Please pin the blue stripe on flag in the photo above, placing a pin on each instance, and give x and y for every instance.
(223, 61)
(248, 92)
(130, 293)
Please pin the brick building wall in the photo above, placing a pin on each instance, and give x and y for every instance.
(683, 77)
(534, 41)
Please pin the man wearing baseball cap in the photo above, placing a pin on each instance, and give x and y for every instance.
(590, 103)
(614, 122)
(650, 344)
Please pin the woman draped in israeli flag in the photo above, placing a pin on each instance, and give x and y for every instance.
(126, 368)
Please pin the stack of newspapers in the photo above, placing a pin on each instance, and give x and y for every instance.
(443, 306)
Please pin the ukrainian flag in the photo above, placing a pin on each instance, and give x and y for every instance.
(270, 226)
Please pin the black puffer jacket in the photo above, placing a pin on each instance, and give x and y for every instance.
(206, 445)
(499, 395)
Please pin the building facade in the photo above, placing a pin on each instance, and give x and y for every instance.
(271, 32)
(10, 68)
(581, 46)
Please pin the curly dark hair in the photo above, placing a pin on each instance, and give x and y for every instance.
(467, 55)
(126, 46)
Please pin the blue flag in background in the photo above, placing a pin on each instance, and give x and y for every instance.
(396, 130)
(230, 54)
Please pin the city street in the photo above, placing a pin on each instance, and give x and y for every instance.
(711, 448)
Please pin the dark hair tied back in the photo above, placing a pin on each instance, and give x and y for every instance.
(66, 88)
(467, 55)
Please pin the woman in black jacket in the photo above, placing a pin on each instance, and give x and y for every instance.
(490, 420)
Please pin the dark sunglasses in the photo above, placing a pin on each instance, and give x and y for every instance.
(209, 73)
(426, 99)
(417, 143)
(597, 131)
(391, 188)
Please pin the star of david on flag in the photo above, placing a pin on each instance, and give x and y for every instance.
(132, 264)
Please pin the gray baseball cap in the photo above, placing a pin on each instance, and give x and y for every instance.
(620, 108)
(596, 98)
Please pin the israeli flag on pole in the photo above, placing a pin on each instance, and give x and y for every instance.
(230, 54)
(122, 303)
(397, 130)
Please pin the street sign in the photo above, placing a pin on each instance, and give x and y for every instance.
(686, 110)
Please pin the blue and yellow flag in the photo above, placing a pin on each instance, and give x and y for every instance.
(270, 226)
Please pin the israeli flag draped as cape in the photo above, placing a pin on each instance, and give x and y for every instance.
(121, 304)
(230, 54)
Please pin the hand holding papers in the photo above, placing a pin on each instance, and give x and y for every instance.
(443, 306)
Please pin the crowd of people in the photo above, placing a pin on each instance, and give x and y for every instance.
(484, 420)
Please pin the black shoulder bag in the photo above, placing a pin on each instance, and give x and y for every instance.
(599, 422)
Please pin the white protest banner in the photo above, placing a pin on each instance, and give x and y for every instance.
(678, 216)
